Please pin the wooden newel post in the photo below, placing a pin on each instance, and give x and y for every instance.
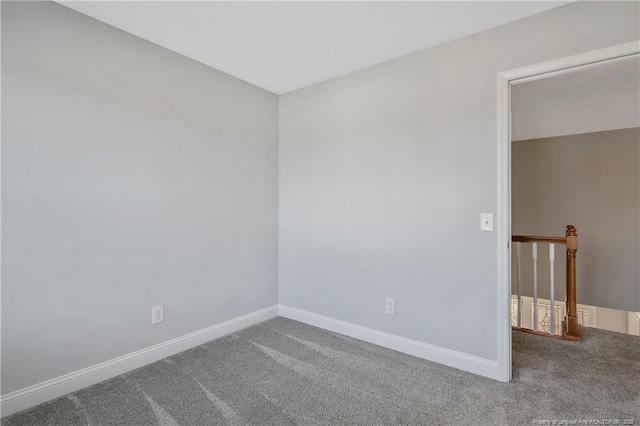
(571, 326)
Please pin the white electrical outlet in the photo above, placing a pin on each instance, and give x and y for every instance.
(157, 314)
(390, 305)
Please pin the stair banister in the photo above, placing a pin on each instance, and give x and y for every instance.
(571, 327)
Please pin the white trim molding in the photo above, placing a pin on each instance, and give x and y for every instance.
(503, 220)
(462, 361)
(503, 231)
(45, 391)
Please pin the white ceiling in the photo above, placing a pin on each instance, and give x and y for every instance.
(605, 97)
(283, 46)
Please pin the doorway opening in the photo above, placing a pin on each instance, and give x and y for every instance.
(506, 82)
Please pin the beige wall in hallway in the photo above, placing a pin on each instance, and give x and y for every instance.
(593, 182)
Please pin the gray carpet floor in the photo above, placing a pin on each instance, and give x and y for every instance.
(282, 372)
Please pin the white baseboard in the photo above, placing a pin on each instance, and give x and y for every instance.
(45, 391)
(42, 392)
(462, 361)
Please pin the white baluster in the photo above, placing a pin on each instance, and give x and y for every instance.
(518, 256)
(552, 326)
(534, 248)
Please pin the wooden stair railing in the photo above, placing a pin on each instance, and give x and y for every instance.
(570, 326)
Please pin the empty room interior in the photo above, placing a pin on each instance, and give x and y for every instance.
(337, 213)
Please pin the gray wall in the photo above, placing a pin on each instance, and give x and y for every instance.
(384, 172)
(591, 181)
(131, 177)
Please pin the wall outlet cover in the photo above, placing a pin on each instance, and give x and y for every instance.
(157, 314)
(390, 305)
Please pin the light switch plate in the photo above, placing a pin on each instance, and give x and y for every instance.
(486, 221)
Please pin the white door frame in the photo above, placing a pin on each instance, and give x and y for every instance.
(503, 218)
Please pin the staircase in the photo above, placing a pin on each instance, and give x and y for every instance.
(545, 317)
